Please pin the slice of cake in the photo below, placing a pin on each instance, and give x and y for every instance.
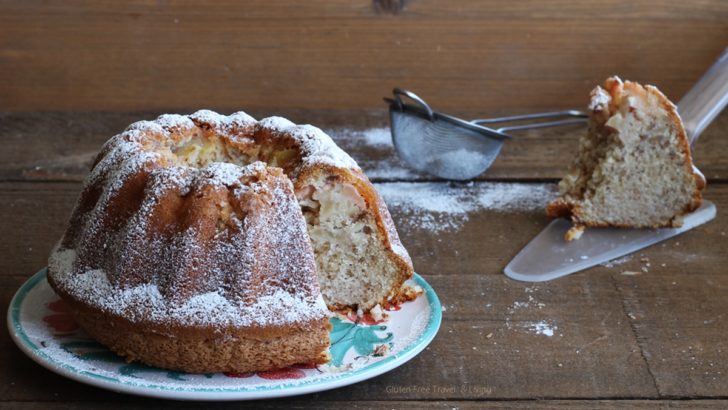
(633, 168)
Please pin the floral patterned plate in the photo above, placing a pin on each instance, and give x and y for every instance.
(40, 325)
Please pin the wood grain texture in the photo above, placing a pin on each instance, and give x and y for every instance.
(61, 146)
(493, 55)
(647, 332)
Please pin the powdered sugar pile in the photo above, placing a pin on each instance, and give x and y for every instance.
(442, 206)
(460, 164)
(388, 170)
(541, 328)
(374, 137)
(615, 262)
(146, 303)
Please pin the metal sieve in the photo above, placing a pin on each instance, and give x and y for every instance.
(453, 148)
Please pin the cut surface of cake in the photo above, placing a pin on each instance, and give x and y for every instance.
(633, 168)
(208, 243)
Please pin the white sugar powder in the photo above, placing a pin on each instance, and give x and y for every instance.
(373, 137)
(442, 206)
(387, 166)
(206, 309)
(459, 164)
(387, 171)
(542, 328)
(618, 261)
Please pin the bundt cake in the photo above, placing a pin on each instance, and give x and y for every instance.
(633, 167)
(209, 243)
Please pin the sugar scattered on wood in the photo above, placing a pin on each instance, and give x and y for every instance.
(618, 261)
(440, 206)
(542, 328)
(375, 137)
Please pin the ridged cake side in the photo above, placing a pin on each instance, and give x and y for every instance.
(218, 247)
(187, 265)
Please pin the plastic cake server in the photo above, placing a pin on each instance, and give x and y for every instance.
(548, 256)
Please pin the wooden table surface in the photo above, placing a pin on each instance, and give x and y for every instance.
(657, 338)
(76, 72)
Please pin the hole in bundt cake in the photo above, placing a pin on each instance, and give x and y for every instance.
(202, 150)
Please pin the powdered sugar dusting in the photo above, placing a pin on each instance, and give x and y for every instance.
(619, 261)
(276, 123)
(385, 164)
(223, 173)
(542, 328)
(288, 295)
(170, 121)
(382, 170)
(209, 117)
(459, 164)
(600, 100)
(418, 325)
(148, 272)
(380, 137)
(373, 136)
(442, 206)
(146, 303)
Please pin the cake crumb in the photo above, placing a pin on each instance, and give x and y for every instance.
(381, 350)
(377, 313)
(630, 273)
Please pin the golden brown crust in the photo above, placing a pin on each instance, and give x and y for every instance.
(684, 146)
(560, 208)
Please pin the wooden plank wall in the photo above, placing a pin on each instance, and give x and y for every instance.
(470, 56)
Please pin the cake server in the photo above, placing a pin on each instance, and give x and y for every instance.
(548, 256)
(452, 148)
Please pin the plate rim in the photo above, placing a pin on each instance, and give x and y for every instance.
(22, 340)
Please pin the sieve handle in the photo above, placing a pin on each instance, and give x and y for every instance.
(578, 117)
(398, 92)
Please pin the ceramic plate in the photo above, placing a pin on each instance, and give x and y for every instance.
(40, 325)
